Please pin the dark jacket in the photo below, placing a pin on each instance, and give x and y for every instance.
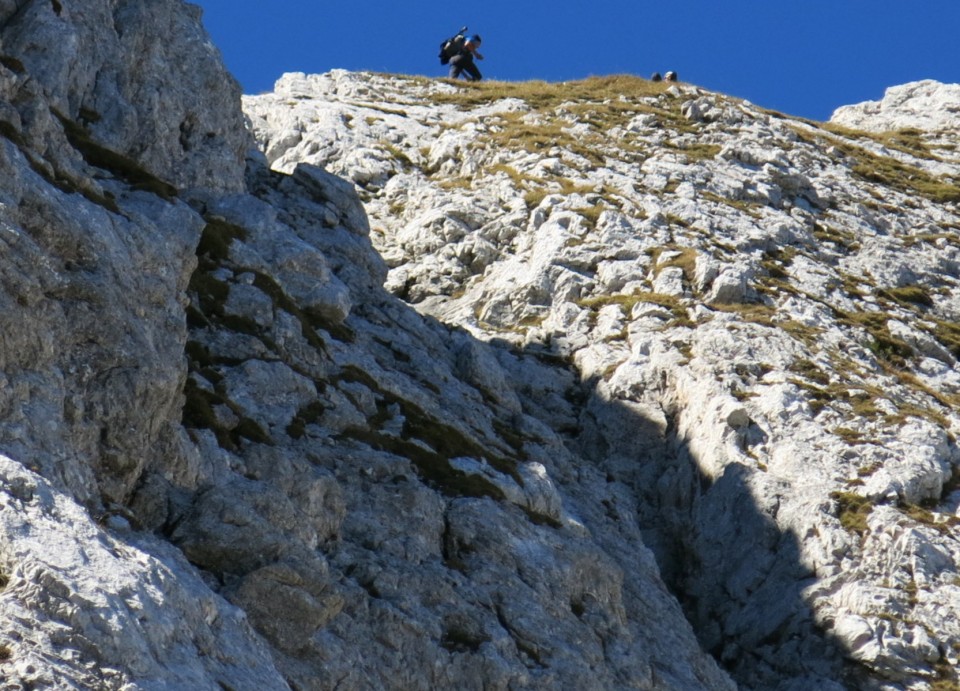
(462, 63)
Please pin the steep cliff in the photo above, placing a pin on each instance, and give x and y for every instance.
(759, 313)
(598, 385)
(230, 458)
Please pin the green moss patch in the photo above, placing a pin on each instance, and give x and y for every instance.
(853, 511)
(430, 444)
(944, 524)
(216, 238)
(901, 176)
(198, 413)
(911, 295)
(671, 303)
(539, 135)
(844, 240)
(883, 344)
(811, 371)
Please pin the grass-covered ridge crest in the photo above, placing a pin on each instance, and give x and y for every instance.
(540, 94)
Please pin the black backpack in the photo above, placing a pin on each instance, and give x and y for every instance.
(452, 46)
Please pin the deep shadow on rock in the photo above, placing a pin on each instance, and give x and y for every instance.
(409, 524)
(739, 578)
(489, 509)
(368, 498)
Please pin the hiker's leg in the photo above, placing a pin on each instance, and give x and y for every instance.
(456, 66)
(473, 71)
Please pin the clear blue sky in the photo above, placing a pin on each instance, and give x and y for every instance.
(801, 57)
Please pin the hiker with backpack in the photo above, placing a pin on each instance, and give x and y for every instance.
(459, 52)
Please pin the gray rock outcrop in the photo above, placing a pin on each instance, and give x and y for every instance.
(925, 105)
(231, 459)
(600, 385)
(759, 312)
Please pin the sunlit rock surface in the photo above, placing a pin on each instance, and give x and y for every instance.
(760, 312)
(607, 384)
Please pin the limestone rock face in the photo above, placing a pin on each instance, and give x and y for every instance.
(98, 248)
(141, 80)
(88, 605)
(926, 105)
(97, 253)
(231, 459)
(601, 385)
(374, 494)
(758, 315)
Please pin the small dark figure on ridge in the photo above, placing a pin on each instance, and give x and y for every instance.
(462, 60)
